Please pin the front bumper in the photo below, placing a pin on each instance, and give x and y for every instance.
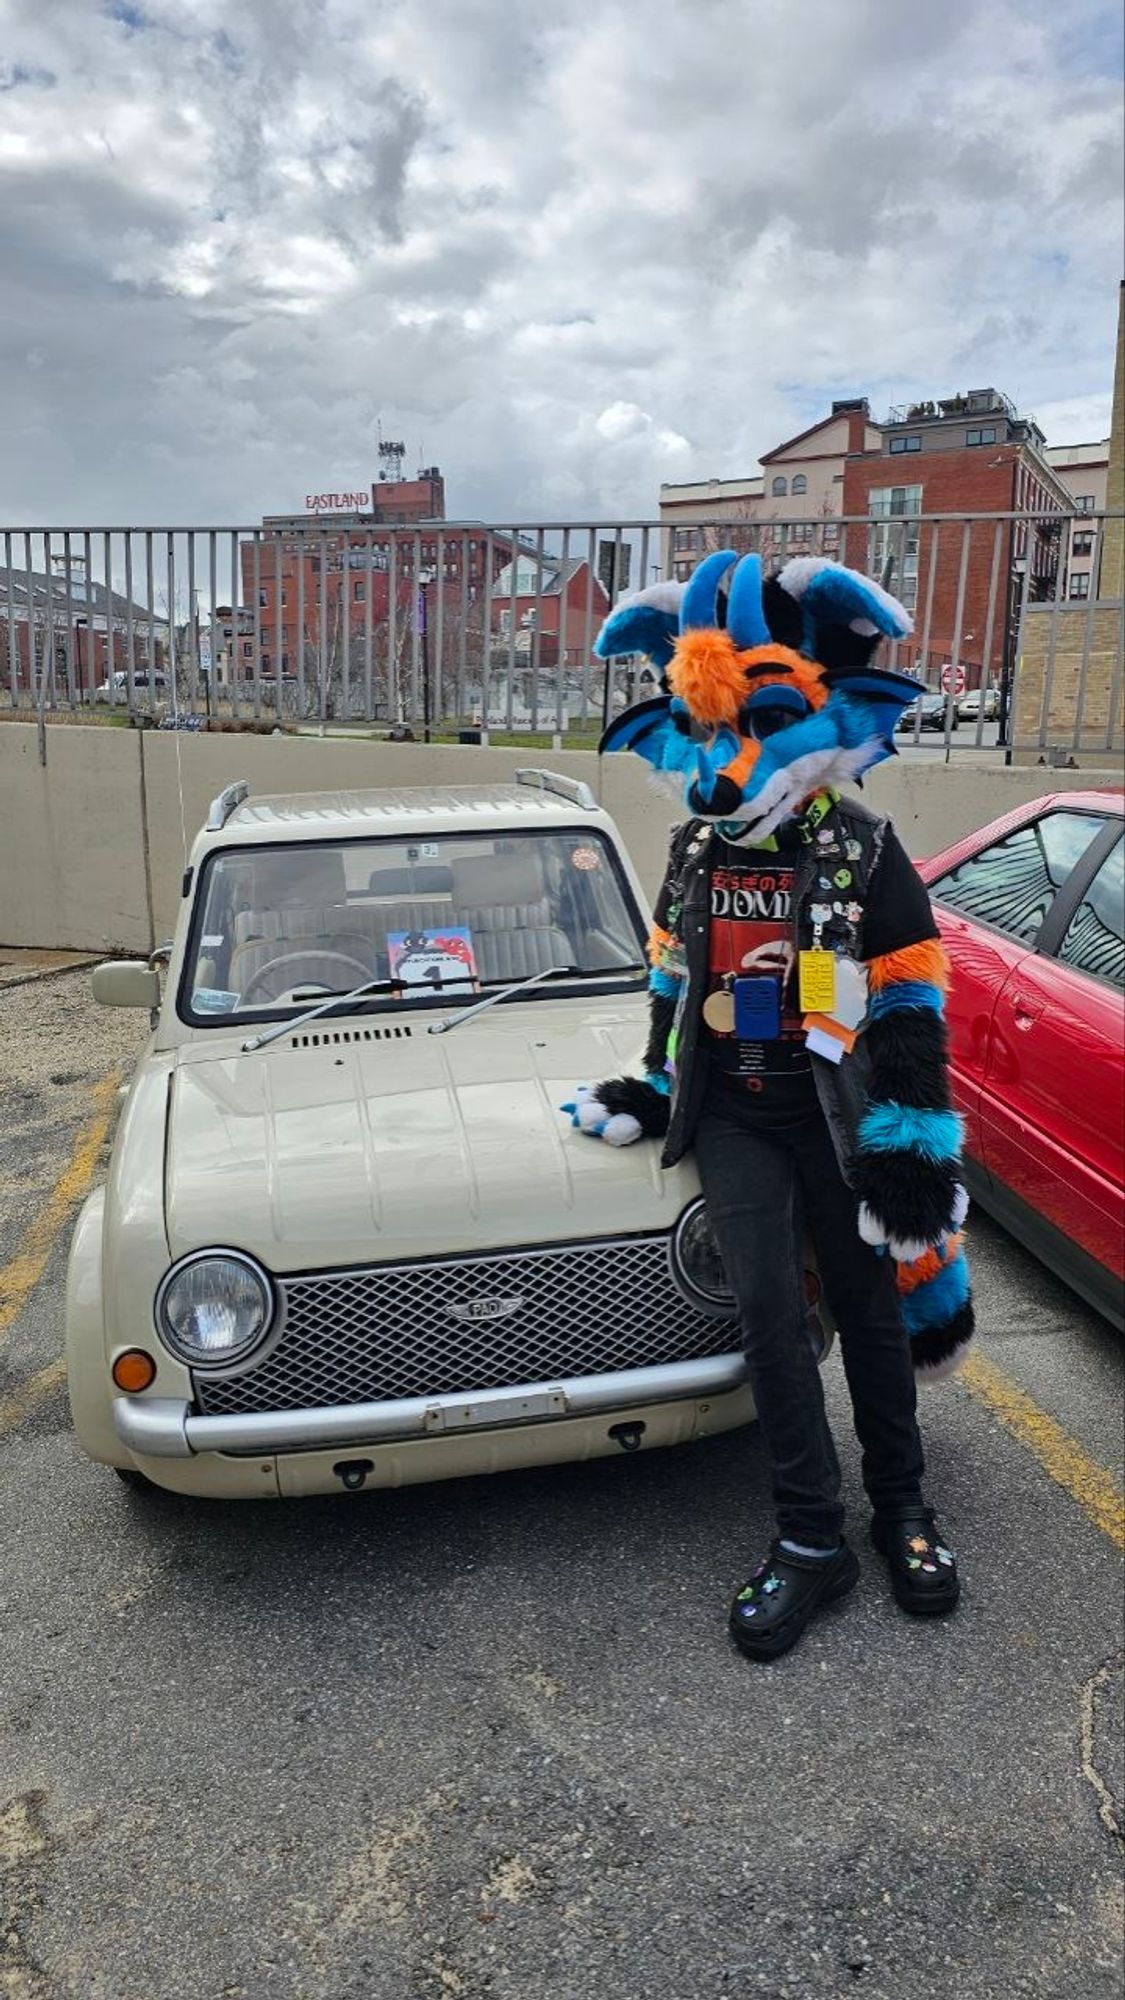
(159, 1427)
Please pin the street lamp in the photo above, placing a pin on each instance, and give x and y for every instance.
(425, 578)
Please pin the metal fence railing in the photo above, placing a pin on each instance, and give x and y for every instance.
(462, 628)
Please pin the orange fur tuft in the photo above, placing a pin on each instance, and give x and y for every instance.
(908, 1277)
(658, 941)
(927, 962)
(706, 672)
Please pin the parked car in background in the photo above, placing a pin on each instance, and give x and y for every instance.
(969, 704)
(1032, 911)
(347, 1237)
(933, 708)
(144, 683)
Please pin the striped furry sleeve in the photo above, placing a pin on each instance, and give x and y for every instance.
(908, 1165)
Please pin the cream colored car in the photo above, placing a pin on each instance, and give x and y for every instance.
(347, 1238)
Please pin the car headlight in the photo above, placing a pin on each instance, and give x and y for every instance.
(698, 1265)
(214, 1308)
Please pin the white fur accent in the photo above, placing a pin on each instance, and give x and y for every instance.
(786, 789)
(621, 1130)
(905, 1250)
(662, 597)
(863, 626)
(960, 1207)
(592, 1115)
(799, 572)
(870, 1228)
(940, 1371)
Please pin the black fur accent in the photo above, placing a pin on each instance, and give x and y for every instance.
(837, 646)
(909, 1054)
(725, 799)
(661, 1015)
(632, 1095)
(936, 1343)
(912, 1197)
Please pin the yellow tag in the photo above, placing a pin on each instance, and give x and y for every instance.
(816, 975)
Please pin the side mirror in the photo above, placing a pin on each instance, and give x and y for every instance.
(123, 982)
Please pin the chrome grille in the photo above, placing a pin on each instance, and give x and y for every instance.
(390, 1331)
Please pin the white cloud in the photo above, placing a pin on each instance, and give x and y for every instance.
(566, 257)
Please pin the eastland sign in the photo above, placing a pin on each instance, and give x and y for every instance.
(338, 503)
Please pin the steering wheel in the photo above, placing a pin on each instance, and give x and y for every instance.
(310, 955)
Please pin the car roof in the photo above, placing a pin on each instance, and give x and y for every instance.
(419, 809)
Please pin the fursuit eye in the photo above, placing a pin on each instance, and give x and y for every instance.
(760, 719)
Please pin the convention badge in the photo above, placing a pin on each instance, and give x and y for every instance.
(757, 1008)
(851, 993)
(718, 1011)
(816, 981)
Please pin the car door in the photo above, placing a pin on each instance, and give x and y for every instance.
(991, 907)
(1056, 1090)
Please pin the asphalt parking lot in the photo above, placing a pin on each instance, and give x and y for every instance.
(489, 1740)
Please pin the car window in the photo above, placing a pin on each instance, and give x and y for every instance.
(1095, 939)
(439, 917)
(1013, 882)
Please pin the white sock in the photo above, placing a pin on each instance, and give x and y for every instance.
(799, 1549)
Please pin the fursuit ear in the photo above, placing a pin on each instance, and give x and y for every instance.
(878, 688)
(657, 730)
(647, 622)
(830, 594)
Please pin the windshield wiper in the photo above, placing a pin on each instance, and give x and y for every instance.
(370, 986)
(522, 985)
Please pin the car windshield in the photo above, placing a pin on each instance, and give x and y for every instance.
(440, 920)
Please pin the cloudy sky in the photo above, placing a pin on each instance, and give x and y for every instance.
(565, 251)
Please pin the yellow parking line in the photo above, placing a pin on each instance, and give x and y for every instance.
(1060, 1455)
(14, 1408)
(19, 1277)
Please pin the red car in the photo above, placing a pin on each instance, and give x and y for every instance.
(1032, 911)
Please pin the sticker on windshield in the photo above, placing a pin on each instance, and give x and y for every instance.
(585, 859)
(441, 960)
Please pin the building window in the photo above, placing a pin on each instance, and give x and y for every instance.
(1083, 543)
(683, 571)
(912, 443)
(358, 592)
(263, 600)
(779, 488)
(685, 538)
(986, 436)
(1084, 503)
(800, 483)
(1080, 584)
(893, 538)
(247, 649)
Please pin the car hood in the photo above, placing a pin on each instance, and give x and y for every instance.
(415, 1145)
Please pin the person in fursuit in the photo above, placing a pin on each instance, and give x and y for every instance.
(797, 1045)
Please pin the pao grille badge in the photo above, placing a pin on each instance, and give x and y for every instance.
(475, 1310)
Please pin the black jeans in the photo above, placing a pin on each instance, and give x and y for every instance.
(762, 1182)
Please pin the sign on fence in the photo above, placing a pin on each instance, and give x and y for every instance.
(952, 677)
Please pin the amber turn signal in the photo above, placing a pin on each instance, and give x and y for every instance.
(133, 1370)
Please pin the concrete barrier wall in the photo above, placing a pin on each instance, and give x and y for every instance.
(93, 847)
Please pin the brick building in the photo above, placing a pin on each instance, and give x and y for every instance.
(72, 631)
(564, 605)
(790, 509)
(1084, 468)
(967, 454)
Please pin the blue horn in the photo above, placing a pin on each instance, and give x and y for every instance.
(746, 621)
(699, 603)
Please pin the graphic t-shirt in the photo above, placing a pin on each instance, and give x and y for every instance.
(752, 936)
